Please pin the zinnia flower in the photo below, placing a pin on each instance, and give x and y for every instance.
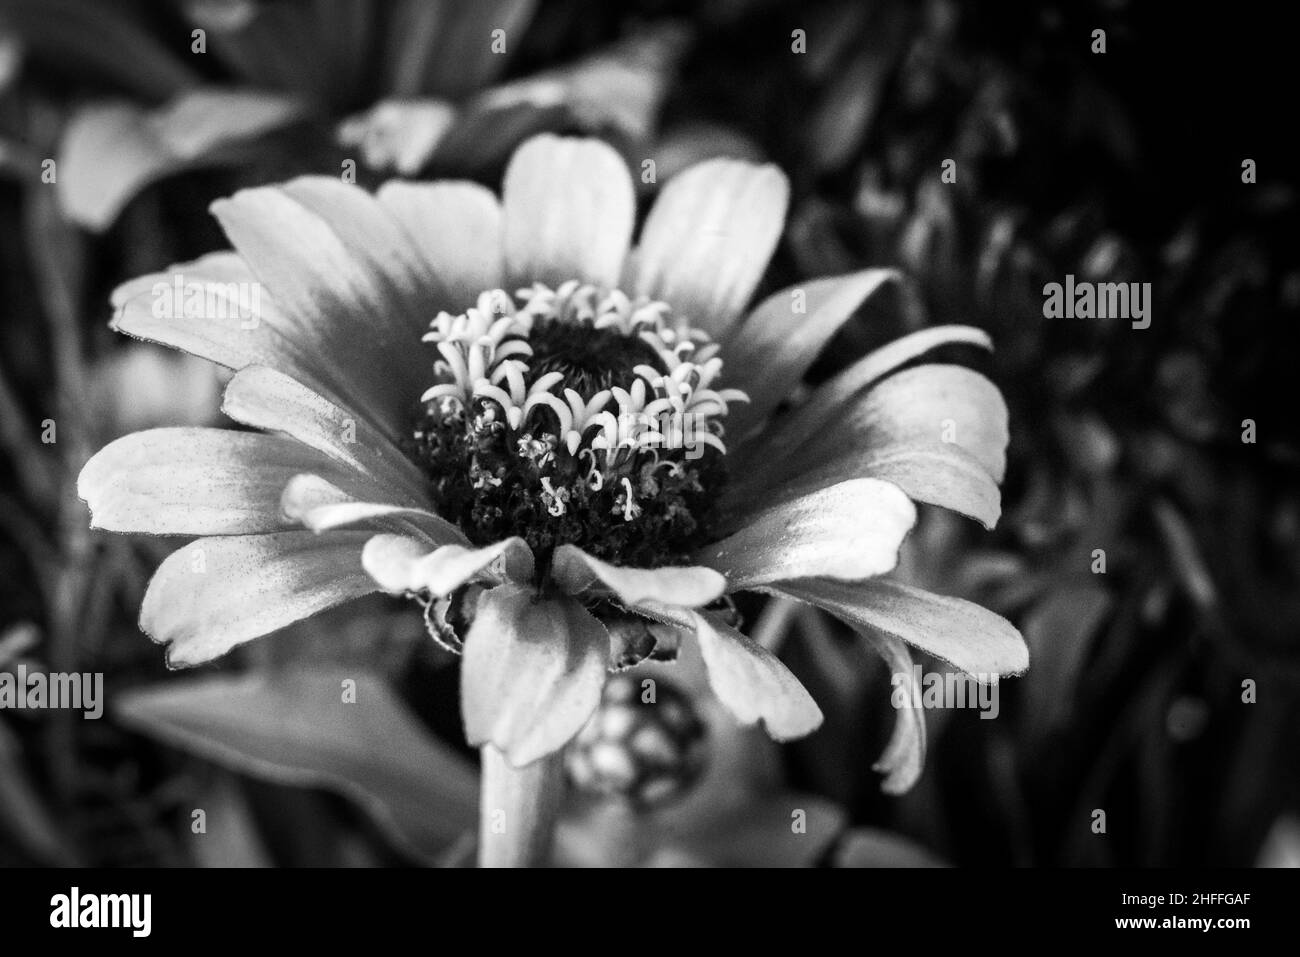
(565, 449)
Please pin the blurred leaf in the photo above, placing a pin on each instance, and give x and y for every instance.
(1282, 846)
(230, 837)
(1060, 631)
(111, 151)
(22, 814)
(296, 729)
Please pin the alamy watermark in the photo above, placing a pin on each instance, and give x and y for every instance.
(1098, 300)
(39, 690)
(941, 690)
(206, 299)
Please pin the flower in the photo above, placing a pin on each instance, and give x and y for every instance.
(485, 474)
(397, 87)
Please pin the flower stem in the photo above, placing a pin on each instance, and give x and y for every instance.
(518, 808)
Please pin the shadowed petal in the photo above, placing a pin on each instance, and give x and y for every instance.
(688, 586)
(568, 206)
(708, 239)
(339, 269)
(216, 593)
(770, 350)
(851, 530)
(402, 564)
(827, 400)
(904, 756)
(266, 399)
(532, 672)
(194, 481)
(971, 637)
(320, 505)
(939, 432)
(456, 228)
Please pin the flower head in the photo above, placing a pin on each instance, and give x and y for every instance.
(567, 450)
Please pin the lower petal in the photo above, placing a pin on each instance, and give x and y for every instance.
(216, 593)
(532, 672)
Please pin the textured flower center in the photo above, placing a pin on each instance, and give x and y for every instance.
(575, 416)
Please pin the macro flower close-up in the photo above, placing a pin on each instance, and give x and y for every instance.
(568, 449)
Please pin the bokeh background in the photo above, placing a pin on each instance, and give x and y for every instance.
(1122, 166)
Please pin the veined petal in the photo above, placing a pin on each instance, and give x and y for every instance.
(532, 672)
(320, 505)
(216, 593)
(568, 206)
(195, 481)
(904, 756)
(456, 227)
(828, 399)
(367, 306)
(402, 564)
(708, 239)
(266, 399)
(752, 682)
(770, 350)
(969, 636)
(852, 530)
(687, 586)
(939, 432)
(214, 308)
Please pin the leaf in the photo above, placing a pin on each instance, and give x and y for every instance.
(297, 730)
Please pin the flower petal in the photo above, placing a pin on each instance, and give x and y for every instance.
(851, 530)
(532, 672)
(769, 351)
(309, 246)
(216, 593)
(402, 564)
(225, 324)
(569, 208)
(320, 505)
(939, 432)
(753, 683)
(969, 636)
(456, 227)
(266, 399)
(688, 586)
(111, 151)
(708, 239)
(904, 756)
(193, 481)
(828, 399)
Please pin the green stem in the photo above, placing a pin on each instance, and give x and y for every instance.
(518, 808)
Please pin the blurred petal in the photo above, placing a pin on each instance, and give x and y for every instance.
(769, 351)
(708, 239)
(456, 228)
(689, 586)
(532, 672)
(266, 399)
(447, 49)
(320, 505)
(904, 756)
(971, 637)
(568, 212)
(851, 530)
(938, 432)
(397, 135)
(216, 593)
(193, 481)
(111, 151)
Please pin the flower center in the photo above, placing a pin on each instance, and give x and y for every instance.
(575, 416)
